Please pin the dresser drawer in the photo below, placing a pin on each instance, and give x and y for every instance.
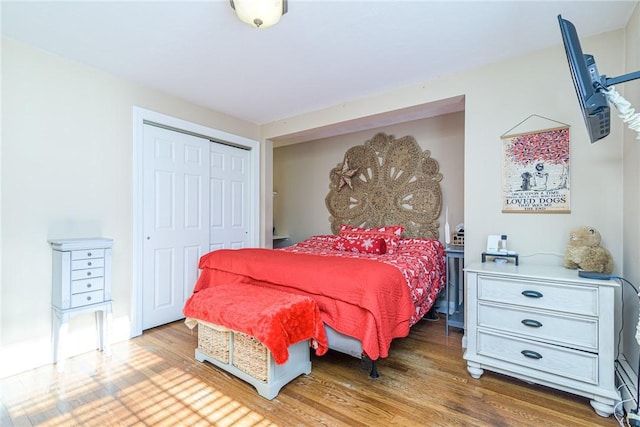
(576, 299)
(81, 264)
(570, 331)
(87, 273)
(87, 253)
(87, 298)
(560, 361)
(87, 285)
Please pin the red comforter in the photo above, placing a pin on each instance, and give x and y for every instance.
(362, 298)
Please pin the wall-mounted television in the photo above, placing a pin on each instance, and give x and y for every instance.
(589, 84)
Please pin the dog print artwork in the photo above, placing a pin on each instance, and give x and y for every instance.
(536, 172)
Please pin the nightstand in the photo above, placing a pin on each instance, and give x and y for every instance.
(455, 261)
(544, 325)
(281, 241)
(81, 284)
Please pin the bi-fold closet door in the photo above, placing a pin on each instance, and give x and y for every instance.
(195, 195)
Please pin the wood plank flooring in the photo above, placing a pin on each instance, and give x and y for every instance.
(154, 380)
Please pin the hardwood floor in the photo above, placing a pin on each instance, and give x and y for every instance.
(154, 380)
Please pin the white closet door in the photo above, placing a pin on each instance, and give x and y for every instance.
(176, 222)
(229, 197)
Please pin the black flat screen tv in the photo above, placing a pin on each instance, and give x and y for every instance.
(590, 85)
(587, 82)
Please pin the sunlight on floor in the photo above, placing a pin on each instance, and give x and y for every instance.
(141, 389)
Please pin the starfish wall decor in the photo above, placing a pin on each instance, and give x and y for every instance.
(346, 174)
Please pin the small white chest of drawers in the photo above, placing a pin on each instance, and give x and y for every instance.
(544, 325)
(81, 284)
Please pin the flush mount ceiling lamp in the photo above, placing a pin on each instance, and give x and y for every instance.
(259, 13)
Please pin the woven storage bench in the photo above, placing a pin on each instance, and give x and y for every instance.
(245, 357)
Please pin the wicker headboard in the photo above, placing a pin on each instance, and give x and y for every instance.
(386, 181)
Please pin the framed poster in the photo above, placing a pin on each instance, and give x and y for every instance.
(536, 172)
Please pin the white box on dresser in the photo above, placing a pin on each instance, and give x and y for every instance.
(544, 325)
(81, 283)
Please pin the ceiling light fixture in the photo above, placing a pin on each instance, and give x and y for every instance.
(259, 13)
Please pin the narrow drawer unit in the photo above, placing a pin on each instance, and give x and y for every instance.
(81, 284)
(544, 325)
(81, 272)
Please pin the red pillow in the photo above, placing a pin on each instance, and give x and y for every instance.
(391, 234)
(363, 245)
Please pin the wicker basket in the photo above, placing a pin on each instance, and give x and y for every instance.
(457, 239)
(250, 356)
(214, 342)
(245, 357)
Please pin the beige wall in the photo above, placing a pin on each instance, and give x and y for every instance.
(540, 84)
(631, 192)
(498, 97)
(66, 171)
(301, 172)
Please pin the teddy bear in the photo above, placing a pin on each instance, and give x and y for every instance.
(585, 253)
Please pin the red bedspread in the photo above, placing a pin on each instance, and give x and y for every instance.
(421, 262)
(362, 298)
(277, 319)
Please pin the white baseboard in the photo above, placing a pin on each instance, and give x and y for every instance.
(627, 381)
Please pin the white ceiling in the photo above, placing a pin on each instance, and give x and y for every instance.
(322, 53)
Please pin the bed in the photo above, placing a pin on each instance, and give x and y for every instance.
(382, 269)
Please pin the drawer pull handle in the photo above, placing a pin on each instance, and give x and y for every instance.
(89, 285)
(88, 273)
(88, 253)
(88, 298)
(532, 294)
(531, 354)
(532, 323)
(89, 263)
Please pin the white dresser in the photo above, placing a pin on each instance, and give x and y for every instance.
(544, 325)
(81, 284)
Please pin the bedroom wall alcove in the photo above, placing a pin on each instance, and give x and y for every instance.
(301, 172)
